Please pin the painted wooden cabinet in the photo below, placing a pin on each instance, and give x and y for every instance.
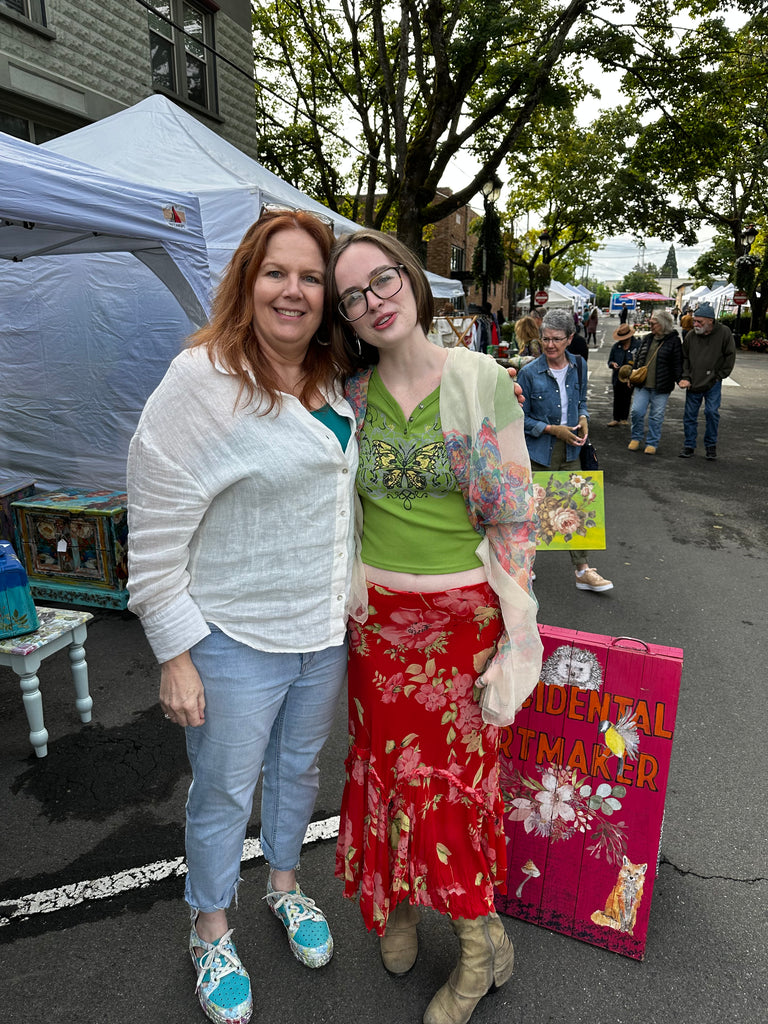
(74, 546)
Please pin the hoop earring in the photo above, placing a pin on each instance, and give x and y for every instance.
(359, 346)
(324, 344)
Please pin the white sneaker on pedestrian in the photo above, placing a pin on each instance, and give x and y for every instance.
(590, 579)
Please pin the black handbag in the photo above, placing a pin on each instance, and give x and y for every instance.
(587, 452)
(588, 456)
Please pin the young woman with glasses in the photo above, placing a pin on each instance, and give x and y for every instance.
(450, 648)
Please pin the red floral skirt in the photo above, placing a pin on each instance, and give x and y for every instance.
(421, 817)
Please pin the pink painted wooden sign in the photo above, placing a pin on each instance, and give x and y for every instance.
(584, 771)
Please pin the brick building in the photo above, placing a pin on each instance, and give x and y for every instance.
(67, 63)
(450, 250)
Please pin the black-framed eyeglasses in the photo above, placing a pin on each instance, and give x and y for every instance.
(267, 208)
(384, 285)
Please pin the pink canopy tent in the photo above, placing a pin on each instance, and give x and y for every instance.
(648, 297)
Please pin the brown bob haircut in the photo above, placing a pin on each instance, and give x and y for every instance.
(341, 330)
(229, 336)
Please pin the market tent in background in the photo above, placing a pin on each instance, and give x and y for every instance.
(585, 293)
(649, 297)
(70, 381)
(88, 333)
(561, 296)
(720, 297)
(156, 141)
(695, 296)
(52, 205)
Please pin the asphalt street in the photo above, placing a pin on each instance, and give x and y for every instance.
(92, 924)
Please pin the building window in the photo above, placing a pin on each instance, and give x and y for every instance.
(457, 257)
(180, 47)
(29, 131)
(33, 10)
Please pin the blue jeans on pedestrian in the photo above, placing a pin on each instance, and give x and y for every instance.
(693, 400)
(261, 710)
(648, 400)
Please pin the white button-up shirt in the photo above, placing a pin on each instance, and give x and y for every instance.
(239, 519)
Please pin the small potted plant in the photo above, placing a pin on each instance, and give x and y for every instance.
(754, 341)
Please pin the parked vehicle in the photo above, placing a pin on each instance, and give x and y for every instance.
(617, 301)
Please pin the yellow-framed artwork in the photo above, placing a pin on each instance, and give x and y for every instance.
(571, 510)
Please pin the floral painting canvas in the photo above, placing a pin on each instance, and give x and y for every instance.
(584, 771)
(571, 510)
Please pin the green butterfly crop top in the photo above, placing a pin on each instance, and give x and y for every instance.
(414, 512)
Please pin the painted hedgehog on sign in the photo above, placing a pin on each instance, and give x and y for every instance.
(572, 666)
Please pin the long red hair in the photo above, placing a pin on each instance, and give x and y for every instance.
(229, 336)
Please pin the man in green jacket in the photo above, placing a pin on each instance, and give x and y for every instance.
(709, 354)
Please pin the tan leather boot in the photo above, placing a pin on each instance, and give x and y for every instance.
(400, 942)
(487, 959)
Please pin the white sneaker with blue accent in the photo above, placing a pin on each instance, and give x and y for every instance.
(308, 932)
(223, 986)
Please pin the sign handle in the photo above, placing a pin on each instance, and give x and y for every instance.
(631, 639)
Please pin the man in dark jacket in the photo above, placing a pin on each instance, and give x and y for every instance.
(709, 355)
(661, 352)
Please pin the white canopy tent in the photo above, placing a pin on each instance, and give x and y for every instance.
(109, 285)
(695, 295)
(52, 205)
(156, 141)
(561, 296)
(70, 238)
(719, 297)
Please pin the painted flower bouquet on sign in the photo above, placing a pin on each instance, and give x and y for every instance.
(571, 510)
(560, 805)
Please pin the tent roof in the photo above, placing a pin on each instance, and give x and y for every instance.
(649, 297)
(585, 292)
(53, 205)
(157, 142)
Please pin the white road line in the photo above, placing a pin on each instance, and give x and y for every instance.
(50, 900)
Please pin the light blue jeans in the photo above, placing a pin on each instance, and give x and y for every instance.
(648, 400)
(261, 710)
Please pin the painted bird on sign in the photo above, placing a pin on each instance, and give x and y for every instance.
(621, 738)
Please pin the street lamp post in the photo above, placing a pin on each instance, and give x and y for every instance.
(748, 235)
(491, 191)
(545, 241)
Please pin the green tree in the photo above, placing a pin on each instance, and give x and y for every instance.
(602, 292)
(669, 266)
(705, 131)
(717, 263)
(640, 279)
(563, 175)
(413, 85)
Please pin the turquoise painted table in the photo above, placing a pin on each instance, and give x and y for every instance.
(59, 628)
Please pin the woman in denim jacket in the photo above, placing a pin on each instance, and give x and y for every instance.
(556, 417)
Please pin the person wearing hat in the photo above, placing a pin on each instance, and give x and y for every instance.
(661, 352)
(622, 354)
(709, 355)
